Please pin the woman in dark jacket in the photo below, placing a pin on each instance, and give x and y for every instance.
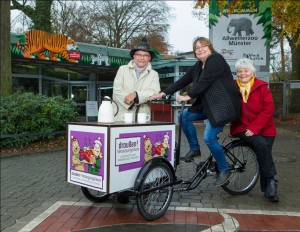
(256, 125)
(215, 98)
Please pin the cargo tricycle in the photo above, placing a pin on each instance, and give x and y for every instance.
(141, 159)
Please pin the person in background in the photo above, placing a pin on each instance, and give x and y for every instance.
(136, 82)
(215, 98)
(256, 125)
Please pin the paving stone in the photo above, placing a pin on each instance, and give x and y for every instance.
(41, 181)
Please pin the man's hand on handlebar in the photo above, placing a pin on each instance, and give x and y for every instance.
(181, 98)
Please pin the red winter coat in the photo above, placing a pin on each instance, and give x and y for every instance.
(257, 113)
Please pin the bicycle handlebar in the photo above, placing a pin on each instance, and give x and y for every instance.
(167, 99)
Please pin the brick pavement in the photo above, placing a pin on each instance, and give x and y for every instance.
(31, 184)
(74, 216)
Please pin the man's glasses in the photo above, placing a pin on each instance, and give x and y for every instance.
(142, 55)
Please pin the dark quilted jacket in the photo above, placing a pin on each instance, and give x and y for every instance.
(213, 88)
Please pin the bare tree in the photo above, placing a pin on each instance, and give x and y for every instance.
(115, 23)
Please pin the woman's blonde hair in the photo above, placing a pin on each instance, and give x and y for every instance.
(245, 63)
(203, 41)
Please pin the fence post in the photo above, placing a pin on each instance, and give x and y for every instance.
(285, 98)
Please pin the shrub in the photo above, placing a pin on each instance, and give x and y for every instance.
(32, 113)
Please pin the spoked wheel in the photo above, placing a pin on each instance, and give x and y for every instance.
(244, 167)
(153, 204)
(94, 195)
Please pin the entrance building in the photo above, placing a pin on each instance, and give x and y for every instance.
(54, 65)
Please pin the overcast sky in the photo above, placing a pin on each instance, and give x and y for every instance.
(185, 27)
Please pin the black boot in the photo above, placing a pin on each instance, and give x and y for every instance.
(222, 177)
(271, 190)
(190, 155)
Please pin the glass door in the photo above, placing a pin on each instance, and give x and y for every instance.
(79, 93)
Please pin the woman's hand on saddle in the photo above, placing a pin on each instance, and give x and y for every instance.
(181, 98)
(156, 96)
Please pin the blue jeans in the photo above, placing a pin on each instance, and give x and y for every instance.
(210, 137)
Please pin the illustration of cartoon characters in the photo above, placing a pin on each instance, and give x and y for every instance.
(159, 149)
(95, 162)
(76, 162)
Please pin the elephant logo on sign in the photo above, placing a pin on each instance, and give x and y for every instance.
(240, 24)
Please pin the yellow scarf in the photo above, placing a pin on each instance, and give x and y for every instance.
(245, 88)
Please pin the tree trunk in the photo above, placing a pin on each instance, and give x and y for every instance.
(295, 57)
(5, 61)
(282, 55)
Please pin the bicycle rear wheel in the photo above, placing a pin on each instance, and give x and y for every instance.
(155, 203)
(94, 195)
(244, 167)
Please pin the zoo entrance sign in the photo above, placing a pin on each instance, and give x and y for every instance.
(245, 34)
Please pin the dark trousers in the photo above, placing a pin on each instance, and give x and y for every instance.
(262, 146)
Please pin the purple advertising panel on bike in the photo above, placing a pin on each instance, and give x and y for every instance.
(87, 155)
(108, 158)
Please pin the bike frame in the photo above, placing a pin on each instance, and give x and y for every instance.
(203, 168)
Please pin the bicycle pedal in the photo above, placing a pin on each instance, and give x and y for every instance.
(210, 173)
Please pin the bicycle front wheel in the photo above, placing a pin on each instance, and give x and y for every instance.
(153, 204)
(244, 167)
(94, 195)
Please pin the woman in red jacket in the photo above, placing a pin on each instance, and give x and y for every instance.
(256, 125)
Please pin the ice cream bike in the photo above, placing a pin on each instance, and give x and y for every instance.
(140, 159)
(124, 159)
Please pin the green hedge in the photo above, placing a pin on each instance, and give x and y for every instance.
(32, 113)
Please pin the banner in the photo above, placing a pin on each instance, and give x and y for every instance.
(242, 34)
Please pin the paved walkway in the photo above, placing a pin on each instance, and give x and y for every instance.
(36, 197)
(72, 216)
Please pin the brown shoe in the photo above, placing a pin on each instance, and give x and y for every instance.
(190, 155)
